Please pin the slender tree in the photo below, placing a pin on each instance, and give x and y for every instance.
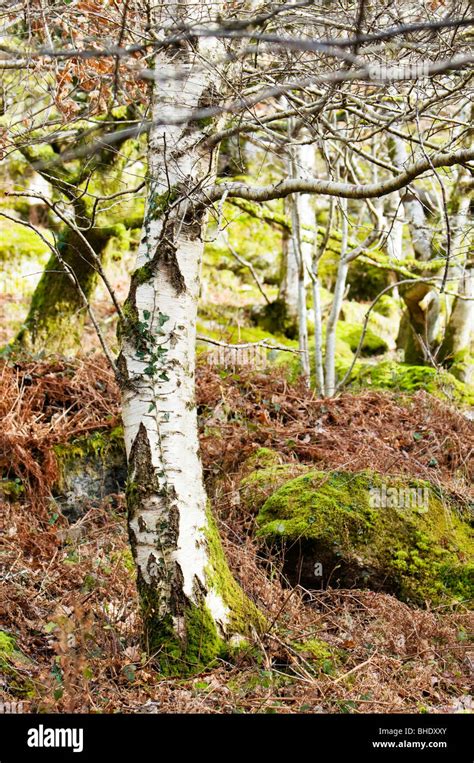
(191, 605)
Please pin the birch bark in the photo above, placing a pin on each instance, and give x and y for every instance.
(298, 252)
(341, 278)
(191, 604)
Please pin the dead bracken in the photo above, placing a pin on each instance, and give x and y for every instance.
(69, 600)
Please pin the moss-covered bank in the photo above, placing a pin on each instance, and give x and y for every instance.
(407, 378)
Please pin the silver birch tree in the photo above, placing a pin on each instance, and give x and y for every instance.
(192, 607)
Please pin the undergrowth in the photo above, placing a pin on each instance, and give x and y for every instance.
(70, 617)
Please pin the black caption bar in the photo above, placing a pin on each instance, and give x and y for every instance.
(25, 737)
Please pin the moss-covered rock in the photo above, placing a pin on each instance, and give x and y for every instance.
(366, 281)
(388, 307)
(373, 344)
(391, 534)
(274, 318)
(462, 367)
(407, 378)
(384, 327)
(90, 468)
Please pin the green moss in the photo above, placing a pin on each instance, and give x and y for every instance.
(366, 281)
(462, 367)
(351, 334)
(244, 617)
(418, 552)
(13, 666)
(204, 122)
(254, 239)
(18, 242)
(408, 378)
(253, 334)
(200, 642)
(291, 361)
(75, 456)
(274, 318)
(263, 481)
(232, 332)
(387, 306)
(11, 489)
(318, 649)
(7, 645)
(318, 654)
(262, 458)
(198, 646)
(98, 443)
(143, 274)
(57, 312)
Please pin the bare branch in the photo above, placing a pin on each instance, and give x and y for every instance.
(342, 190)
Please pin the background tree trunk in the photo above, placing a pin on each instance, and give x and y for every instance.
(299, 247)
(57, 313)
(341, 278)
(422, 301)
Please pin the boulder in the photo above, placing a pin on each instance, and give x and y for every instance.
(398, 535)
(91, 468)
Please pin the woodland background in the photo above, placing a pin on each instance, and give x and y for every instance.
(334, 345)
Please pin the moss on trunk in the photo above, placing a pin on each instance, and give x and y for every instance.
(57, 311)
(190, 640)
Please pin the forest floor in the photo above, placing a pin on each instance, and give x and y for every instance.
(69, 597)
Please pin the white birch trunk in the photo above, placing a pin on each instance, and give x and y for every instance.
(318, 331)
(394, 219)
(457, 344)
(343, 268)
(296, 247)
(318, 252)
(301, 164)
(190, 602)
(393, 223)
(459, 335)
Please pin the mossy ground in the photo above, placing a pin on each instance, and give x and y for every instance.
(372, 343)
(267, 475)
(73, 607)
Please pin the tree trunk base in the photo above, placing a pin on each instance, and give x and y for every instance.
(195, 640)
